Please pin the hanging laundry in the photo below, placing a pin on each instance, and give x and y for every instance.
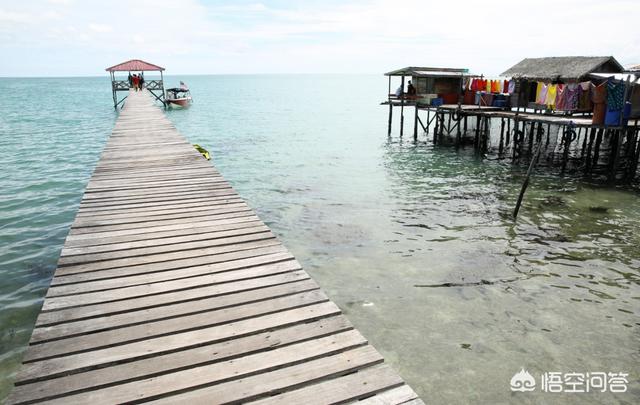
(488, 86)
(599, 107)
(511, 87)
(561, 100)
(584, 103)
(550, 99)
(615, 95)
(568, 98)
(541, 93)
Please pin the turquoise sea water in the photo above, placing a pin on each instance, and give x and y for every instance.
(414, 243)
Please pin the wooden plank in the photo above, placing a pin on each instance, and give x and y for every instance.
(172, 297)
(134, 333)
(159, 232)
(364, 383)
(64, 286)
(335, 347)
(266, 384)
(205, 233)
(168, 261)
(44, 333)
(79, 362)
(222, 254)
(202, 355)
(395, 396)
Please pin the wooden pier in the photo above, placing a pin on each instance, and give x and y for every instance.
(170, 289)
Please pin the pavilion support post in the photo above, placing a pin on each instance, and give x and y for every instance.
(390, 119)
(164, 95)
(428, 119)
(113, 91)
(508, 132)
(390, 109)
(415, 124)
(402, 108)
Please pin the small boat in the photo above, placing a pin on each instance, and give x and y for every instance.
(179, 96)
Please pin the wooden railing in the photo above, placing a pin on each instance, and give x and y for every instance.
(121, 85)
(153, 85)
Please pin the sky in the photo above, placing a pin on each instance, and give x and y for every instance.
(82, 38)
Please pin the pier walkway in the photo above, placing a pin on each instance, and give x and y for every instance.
(170, 289)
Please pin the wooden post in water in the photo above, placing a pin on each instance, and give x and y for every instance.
(567, 136)
(596, 153)
(587, 158)
(525, 184)
(501, 147)
(436, 117)
(615, 156)
(476, 141)
(415, 124)
(390, 108)
(402, 109)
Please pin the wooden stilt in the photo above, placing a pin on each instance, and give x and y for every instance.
(501, 146)
(415, 125)
(615, 156)
(587, 158)
(390, 118)
(402, 110)
(596, 153)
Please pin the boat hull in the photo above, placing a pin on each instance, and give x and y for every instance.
(179, 102)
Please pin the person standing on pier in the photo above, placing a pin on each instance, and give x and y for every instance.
(141, 81)
(129, 78)
(410, 89)
(136, 82)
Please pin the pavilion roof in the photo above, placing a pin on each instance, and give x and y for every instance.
(133, 65)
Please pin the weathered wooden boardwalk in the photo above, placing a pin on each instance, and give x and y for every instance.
(170, 289)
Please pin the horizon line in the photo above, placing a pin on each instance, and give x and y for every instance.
(196, 74)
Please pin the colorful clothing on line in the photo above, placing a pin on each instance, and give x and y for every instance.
(550, 99)
(541, 93)
(568, 98)
(615, 95)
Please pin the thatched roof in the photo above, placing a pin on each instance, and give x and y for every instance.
(563, 67)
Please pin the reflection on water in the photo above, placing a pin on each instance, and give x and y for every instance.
(416, 244)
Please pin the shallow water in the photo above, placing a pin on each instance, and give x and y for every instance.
(414, 243)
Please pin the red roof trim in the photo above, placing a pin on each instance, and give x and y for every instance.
(133, 65)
